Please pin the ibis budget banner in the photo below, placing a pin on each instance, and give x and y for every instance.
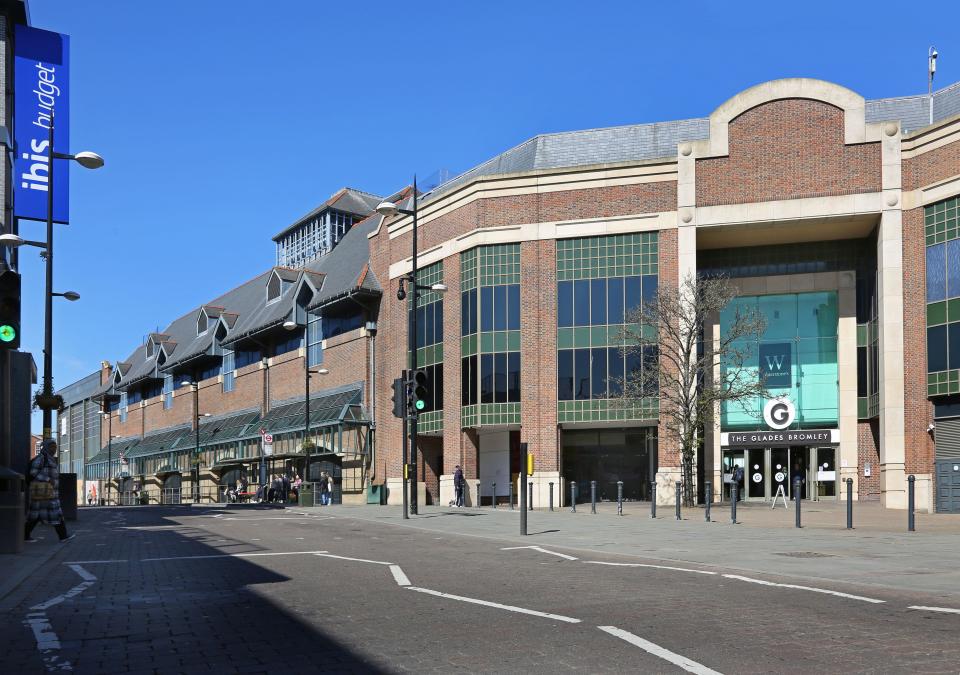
(41, 73)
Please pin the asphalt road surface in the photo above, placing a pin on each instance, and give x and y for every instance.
(167, 590)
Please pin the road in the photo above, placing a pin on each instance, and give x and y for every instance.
(171, 590)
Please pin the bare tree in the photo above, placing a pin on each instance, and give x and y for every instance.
(691, 377)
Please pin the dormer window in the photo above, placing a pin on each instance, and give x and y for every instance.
(274, 287)
(148, 348)
(203, 322)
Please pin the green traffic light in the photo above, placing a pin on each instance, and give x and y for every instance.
(8, 333)
(420, 405)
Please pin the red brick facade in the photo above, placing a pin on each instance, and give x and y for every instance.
(868, 452)
(788, 149)
(931, 167)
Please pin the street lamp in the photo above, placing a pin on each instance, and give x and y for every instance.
(291, 325)
(88, 160)
(105, 412)
(196, 452)
(389, 210)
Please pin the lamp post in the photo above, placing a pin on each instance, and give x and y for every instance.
(389, 210)
(88, 160)
(291, 325)
(196, 451)
(105, 412)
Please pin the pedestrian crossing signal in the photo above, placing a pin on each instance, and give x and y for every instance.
(419, 383)
(9, 309)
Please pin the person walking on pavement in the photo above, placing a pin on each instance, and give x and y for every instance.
(43, 490)
(323, 488)
(329, 489)
(458, 485)
(738, 481)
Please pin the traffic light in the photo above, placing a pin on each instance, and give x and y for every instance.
(9, 309)
(418, 384)
(399, 398)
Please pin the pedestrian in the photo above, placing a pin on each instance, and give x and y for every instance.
(324, 487)
(43, 490)
(297, 482)
(458, 484)
(286, 488)
(329, 489)
(738, 481)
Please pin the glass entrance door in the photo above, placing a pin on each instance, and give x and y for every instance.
(731, 459)
(825, 472)
(779, 472)
(755, 473)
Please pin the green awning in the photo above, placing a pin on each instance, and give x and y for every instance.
(324, 410)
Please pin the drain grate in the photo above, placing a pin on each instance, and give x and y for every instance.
(806, 554)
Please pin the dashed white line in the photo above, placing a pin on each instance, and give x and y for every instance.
(541, 550)
(496, 605)
(688, 665)
(803, 588)
(399, 576)
(945, 610)
(659, 567)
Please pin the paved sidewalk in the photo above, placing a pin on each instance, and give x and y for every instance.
(927, 561)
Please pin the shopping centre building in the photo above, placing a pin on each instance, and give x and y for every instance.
(835, 216)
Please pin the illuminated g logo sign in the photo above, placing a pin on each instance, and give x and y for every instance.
(778, 413)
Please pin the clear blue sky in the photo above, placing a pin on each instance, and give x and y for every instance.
(221, 122)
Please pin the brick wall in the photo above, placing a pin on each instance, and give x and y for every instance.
(668, 448)
(917, 409)
(787, 149)
(868, 450)
(452, 445)
(932, 166)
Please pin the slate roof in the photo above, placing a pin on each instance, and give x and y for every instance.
(659, 140)
(349, 200)
(346, 268)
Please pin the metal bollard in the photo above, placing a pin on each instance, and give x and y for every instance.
(551, 495)
(619, 497)
(678, 500)
(511, 495)
(530, 501)
(653, 499)
(849, 503)
(734, 492)
(708, 493)
(911, 516)
(796, 491)
(593, 496)
(494, 500)
(573, 497)
(477, 505)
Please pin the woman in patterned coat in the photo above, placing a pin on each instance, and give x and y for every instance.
(43, 492)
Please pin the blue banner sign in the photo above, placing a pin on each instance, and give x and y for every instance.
(775, 365)
(41, 73)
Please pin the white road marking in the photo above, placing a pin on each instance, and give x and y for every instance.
(94, 562)
(47, 640)
(541, 550)
(676, 659)
(804, 588)
(231, 555)
(324, 554)
(399, 576)
(487, 603)
(946, 610)
(84, 574)
(659, 567)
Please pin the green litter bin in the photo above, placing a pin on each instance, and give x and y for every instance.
(376, 494)
(305, 496)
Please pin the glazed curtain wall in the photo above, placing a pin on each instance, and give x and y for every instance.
(797, 355)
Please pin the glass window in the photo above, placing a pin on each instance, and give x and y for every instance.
(468, 380)
(615, 300)
(513, 377)
(565, 375)
(565, 304)
(936, 273)
(314, 340)
(438, 321)
(650, 283)
(486, 378)
(862, 371)
(953, 268)
(634, 367)
(228, 370)
(581, 374)
(632, 298)
(486, 308)
(598, 368)
(168, 391)
(499, 308)
(953, 334)
(581, 303)
(123, 406)
(598, 302)
(437, 386)
(513, 303)
(500, 377)
(936, 349)
(615, 371)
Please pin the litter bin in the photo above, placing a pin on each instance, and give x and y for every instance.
(306, 495)
(377, 494)
(11, 511)
(68, 495)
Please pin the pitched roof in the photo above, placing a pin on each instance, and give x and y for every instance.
(349, 200)
(346, 267)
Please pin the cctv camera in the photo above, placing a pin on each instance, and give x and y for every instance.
(931, 427)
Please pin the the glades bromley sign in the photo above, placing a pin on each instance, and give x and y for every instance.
(779, 413)
(41, 86)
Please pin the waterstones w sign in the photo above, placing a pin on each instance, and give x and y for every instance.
(41, 71)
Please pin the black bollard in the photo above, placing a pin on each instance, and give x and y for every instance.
(573, 497)
(678, 500)
(653, 499)
(849, 503)
(619, 497)
(494, 494)
(708, 493)
(734, 491)
(511, 495)
(551, 495)
(796, 492)
(478, 495)
(593, 496)
(911, 517)
(530, 502)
